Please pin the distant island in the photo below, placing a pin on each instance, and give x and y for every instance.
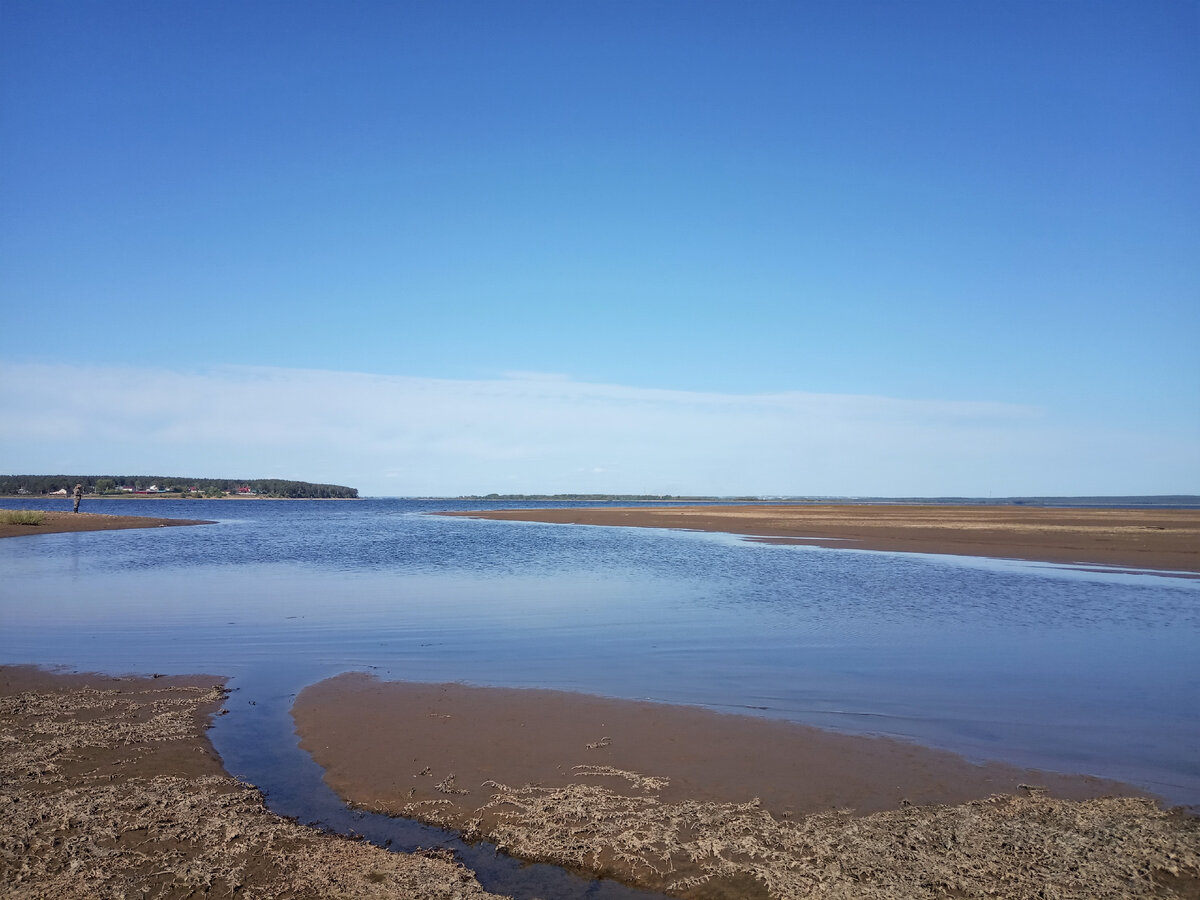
(172, 487)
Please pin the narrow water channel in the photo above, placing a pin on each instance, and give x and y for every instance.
(257, 743)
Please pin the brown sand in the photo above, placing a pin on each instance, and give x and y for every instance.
(704, 804)
(57, 521)
(110, 789)
(1134, 538)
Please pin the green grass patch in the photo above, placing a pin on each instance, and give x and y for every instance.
(21, 517)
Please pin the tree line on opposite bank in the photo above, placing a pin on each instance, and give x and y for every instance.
(123, 485)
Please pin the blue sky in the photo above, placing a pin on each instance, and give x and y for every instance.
(784, 248)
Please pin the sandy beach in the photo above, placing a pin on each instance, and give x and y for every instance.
(110, 788)
(1167, 540)
(701, 804)
(57, 521)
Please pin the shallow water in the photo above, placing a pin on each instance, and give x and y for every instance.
(1040, 665)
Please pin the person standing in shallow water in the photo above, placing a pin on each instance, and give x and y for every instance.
(78, 496)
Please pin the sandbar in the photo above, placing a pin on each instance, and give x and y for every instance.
(58, 521)
(109, 787)
(704, 804)
(1158, 539)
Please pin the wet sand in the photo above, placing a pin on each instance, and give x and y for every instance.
(110, 788)
(703, 804)
(58, 521)
(1166, 540)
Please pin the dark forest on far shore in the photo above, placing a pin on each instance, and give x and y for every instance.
(124, 485)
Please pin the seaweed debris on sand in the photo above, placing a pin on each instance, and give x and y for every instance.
(109, 788)
(705, 805)
(1000, 847)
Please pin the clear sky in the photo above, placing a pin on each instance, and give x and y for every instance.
(919, 248)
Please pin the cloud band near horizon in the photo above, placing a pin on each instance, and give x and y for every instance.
(527, 433)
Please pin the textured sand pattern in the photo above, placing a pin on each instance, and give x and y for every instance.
(1002, 847)
(706, 805)
(113, 792)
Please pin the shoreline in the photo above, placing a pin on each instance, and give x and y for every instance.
(1167, 541)
(64, 521)
(704, 804)
(110, 787)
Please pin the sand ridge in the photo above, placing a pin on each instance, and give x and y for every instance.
(1165, 540)
(60, 521)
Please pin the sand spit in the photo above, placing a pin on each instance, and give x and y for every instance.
(57, 521)
(1134, 538)
(110, 789)
(705, 805)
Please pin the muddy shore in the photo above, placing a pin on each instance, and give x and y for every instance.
(110, 788)
(1167, 540)
(704, 805)
(58, 521)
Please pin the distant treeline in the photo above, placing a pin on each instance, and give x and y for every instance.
(595, 497)
(117, 485)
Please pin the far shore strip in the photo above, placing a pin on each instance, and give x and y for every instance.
(1160, 539)
(59, 521)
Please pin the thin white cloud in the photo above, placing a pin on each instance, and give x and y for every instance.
(408, 435)
(522, 375)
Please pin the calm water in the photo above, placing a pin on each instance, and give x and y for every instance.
(1032, 664)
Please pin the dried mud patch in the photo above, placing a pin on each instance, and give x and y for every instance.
(1001, 847)
(114, 792)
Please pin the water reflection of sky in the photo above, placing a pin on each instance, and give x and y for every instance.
(1036, 664)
